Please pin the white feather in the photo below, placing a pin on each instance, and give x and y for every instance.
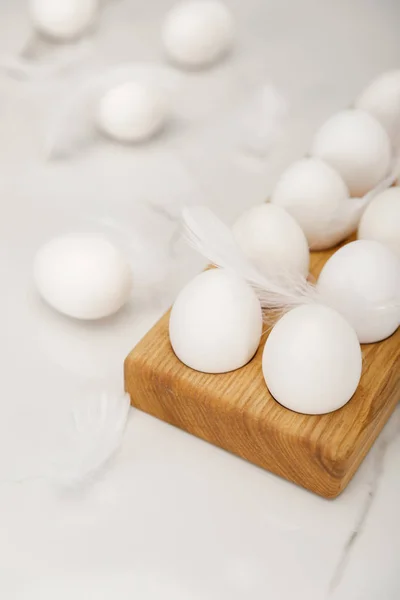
(279, 290)
(61, 59)
(346, 217)
(262, 121)
(96, 431)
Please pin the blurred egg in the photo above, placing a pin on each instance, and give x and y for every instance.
(381, 220)
(216, 322)
(82, 276)
(357, 146)
(381, 99)
(63, 20)
(362, 281)
(131, 112)
(271, 238)
(312, 192)
(197, 33)
(312, 360)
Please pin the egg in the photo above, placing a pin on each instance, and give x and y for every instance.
(82, 276)
(271, 238)
(131, 112)
(216, 322)
(357, 146)
(381, 220)
(63, 20)
(382, 100)
(362, 281)
(197, 33)
(312, 360)
(312, 191)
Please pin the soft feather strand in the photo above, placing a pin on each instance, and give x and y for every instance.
(98, 425)
(278, 291)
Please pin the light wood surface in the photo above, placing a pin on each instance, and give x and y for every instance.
(236, 412)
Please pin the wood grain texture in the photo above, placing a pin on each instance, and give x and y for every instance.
(236, 412)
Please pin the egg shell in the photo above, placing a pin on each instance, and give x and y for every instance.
(197, 33)
(216, 322)
(357, 146)
(362, 281)
(131, 112)
(272, 239)
(381, 99)
(312, 191)
(381, 220)
(82, 276)
(312, 360)
(63, 20)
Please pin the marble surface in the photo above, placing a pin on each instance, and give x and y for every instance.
(170, 516)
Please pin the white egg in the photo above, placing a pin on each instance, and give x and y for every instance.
(131, 112)
(63, 20)
(271, 238)
(382, 100)
(381, 220)
(312, 360)
(357, 146)
(197, 33)
(82, 276)
(362, 281)
(312, 191)
(216, 322)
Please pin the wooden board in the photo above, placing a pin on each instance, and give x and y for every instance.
(236, 412)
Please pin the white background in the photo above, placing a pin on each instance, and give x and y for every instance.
(170, 517)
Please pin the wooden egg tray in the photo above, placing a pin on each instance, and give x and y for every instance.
(236, 412)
